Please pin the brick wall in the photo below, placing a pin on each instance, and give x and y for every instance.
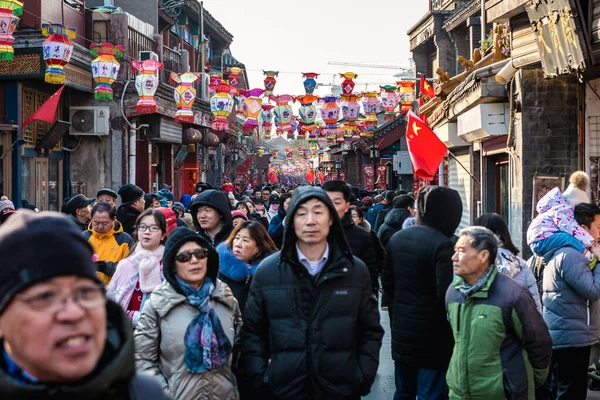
(446, 53)
(546, 132)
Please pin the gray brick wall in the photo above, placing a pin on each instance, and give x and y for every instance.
(546, 132)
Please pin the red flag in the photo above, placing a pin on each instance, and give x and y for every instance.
(321, 177)
(272, 175)
(426, 150)
(310, 176)
(47, 111)
(426, 89)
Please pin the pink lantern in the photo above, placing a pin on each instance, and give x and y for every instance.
(371, 106)
(283, 112)
(252, 108)
(146, 83)
(267, 119)
(348, 83)
(389, 99)
(10, 11)
(330, 113)
(234, 79)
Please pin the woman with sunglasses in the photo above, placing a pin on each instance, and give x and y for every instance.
(188, 327)
(137, 275)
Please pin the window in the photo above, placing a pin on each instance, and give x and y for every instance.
(76, 4)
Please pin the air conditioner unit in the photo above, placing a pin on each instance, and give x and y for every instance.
(89, 120)
(149, 55)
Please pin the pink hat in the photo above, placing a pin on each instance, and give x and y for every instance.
(239, 214)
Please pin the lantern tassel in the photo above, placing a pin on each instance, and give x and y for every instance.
(7, 56)
(146, 109)
(184, 118)
(103, 96)
(54, 79)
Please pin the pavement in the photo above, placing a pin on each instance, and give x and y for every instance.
(383, 388)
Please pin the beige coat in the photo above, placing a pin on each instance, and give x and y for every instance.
(160, 348)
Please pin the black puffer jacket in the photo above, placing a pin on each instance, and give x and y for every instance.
(361, 245)
(219, 201)
(321, 334)
(113, 378)
(127, 215)
(416, 275)
(392, 224)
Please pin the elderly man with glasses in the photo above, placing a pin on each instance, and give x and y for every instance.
(106, 236)
(59, 335)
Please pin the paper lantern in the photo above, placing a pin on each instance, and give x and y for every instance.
(406, 95)
(270, 81)
(330, 113)
(105, 69)
(371, 106)
(308, 112)
(234, 79)
(283, 112)
(310, 83)
(212, 85)
(146, 83)
(252, 107)
(185, 94)
(261, 151)
(221, 105)
(191, 136)
(389, 99)
(348, 83)
(267, 119)
(350, 111)
(57, 51)
(10, 11)
(239, 105)
(274, 153)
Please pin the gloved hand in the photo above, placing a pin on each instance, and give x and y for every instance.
(101, 266)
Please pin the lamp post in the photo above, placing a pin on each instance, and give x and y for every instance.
(338, 167)
(374, 153)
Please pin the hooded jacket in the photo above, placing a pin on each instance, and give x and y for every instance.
(111, 247)
(371, 215)
(114, 377)
(321, 334)
(392, 223)
(127, 215)
(159, 337)
(219, 201)
(276, 227)
(417, 273)
(362, 246)
(516, 268)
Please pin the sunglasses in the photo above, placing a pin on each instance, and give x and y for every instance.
(186, 256)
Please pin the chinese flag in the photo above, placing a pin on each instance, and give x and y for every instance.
(321, 177)
(47, 111)
(310, 176)
(426, 150)
(426, 88)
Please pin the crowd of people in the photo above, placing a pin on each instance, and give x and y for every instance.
(275, 293)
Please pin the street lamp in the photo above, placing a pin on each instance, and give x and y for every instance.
(338, 167)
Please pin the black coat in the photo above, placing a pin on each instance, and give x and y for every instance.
(219, 201)
(321, 334)
(361, 245)
(417, 273)
(392, 223)
(127, 215)
(380, 217)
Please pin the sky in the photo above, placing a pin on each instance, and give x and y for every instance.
(293, 36)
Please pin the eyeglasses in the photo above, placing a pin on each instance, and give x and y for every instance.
(51, 301)
(153, 228)
(355, 216)
(186, 256)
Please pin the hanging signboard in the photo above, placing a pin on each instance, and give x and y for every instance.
(368, 177)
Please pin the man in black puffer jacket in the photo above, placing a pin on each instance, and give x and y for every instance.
(417, 272)
(403, 207)
(211, 214)
(311, 326)
(360, 241)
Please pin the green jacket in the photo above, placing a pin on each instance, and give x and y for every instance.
(502, 346)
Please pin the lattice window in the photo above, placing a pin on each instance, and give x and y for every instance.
(34, 132)
(28, 109)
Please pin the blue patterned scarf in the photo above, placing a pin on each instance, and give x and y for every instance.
(206, 344)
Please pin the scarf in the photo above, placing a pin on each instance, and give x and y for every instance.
(468, 290)
(206, 345)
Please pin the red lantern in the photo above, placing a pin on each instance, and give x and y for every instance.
(348, 83)
(270, 82)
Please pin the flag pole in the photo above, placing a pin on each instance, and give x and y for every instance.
(466, 170)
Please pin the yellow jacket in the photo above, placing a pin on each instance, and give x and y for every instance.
(110, 247)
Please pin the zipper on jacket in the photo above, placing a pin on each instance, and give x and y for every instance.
(588, 312)
(458, 319)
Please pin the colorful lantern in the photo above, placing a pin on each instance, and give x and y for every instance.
(252, 107)
(267, 119)
(185, 94)
(308, 112)
(240, 107)
(212, 85)
(283, 112)
(348, 83)
(270, 81)
(371, 106)
(310, 83)
(350, 110)
(407, 95)
(261, 151)
(221, 105)
(57, 51)
(10, 11)
(330, 113)
(146, 83)
(389, 99)
(105, 69)
(234, 79)
(274, 153)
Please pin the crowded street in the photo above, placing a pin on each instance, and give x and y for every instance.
(233, 200)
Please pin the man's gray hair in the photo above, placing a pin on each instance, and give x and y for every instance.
(482, 239)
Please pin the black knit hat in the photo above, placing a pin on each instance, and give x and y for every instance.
(35, 247)
(177, 238)
(130, 193)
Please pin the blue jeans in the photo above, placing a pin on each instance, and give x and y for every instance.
(420, 383)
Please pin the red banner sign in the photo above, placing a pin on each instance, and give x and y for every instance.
(382, 177)
(190, 178)
(369, 177)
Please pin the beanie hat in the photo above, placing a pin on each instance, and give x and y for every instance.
(403, 201)
(107, 191)
(165, 194)
(5, 206)
(170, 217)
(239, 214)
(35, 247)
(130, 193)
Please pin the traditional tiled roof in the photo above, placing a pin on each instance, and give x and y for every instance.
(460, 16)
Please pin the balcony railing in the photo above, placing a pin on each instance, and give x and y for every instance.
(172, 63)
(138, 42)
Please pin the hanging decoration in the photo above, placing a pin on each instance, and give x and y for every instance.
(270, 82)
(221, 105)
(371, 106)
(234, 79)
(289, 153)
(146, 83)
(330, 113)
(240, 106)
(185, 94)
(350, 105)
(267, 119)
(310, 83)
(348, 82)
(105, 68)
(407, 95)
(10, 11)
(57, 51)
(252, 109)
(283, 112)
(389, 99)
(261, 151)
(291, 134)
(308, 112)
(274, 153)
(212, 85)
